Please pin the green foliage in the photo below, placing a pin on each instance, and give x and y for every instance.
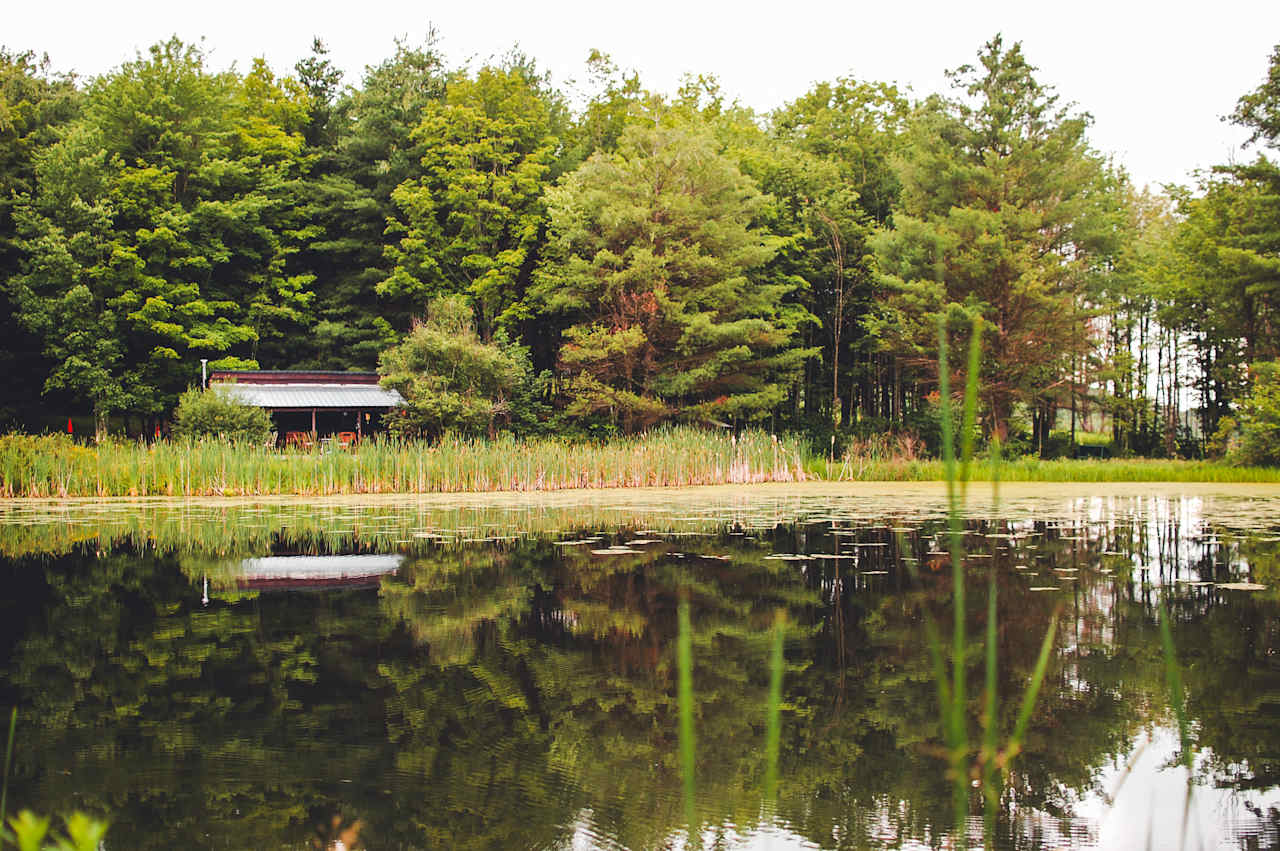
(999, 192)
(160, 232)
(664, 258)
(453, 381)
(1229, 242)
(858, 125)
(34, 105)
(1227, 248)
(815, 209)
(82, 833)
(1220, 443)
(360, 148)
(471, 222)
(653, 263)
(1258, 442)
(1259, 110)
(213, 414)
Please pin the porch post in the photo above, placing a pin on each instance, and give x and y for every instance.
(313, 422)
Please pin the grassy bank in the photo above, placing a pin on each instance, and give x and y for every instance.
(1037, 470)
(52, 466)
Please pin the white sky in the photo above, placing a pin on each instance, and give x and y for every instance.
(1156, 76)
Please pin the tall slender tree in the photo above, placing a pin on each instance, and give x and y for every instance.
(998, 188)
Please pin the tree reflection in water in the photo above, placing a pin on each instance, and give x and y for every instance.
(514, 691)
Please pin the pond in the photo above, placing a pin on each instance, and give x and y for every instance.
(500, 672)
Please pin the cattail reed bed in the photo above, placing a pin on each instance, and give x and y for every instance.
(53, 466)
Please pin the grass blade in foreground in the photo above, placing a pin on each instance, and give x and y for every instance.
(684, 664)
(8, 761)
(773, 712)
(952, 700)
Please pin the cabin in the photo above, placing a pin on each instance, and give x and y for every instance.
(308, 406)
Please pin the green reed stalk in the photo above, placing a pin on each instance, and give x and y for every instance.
(990, 781)
(8, 761)
(773, 711)
(684, 663)
(1033, 690)
(954, 707)
(952, 698)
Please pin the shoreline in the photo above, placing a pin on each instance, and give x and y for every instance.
(979, 491)
(50, 468)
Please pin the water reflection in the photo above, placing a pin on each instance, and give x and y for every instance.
(315, 573)
(501, 674)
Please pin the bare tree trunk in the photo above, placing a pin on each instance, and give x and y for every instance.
(837, 260)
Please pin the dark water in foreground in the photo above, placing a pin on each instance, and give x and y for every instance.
(471, 673)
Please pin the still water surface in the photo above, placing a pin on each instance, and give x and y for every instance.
(471, 672)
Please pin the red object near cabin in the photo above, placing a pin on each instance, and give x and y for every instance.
(69, 426)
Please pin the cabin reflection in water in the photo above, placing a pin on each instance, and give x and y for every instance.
(316, 573)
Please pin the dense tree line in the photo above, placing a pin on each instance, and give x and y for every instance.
(626, 259)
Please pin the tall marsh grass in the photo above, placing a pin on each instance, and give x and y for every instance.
(880, 468)
(52, 466)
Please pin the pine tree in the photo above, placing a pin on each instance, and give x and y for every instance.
(998, 193)
(655, 266)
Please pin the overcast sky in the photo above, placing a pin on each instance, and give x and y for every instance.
(1157, 77)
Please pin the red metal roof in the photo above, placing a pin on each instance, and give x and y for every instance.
(292, 376)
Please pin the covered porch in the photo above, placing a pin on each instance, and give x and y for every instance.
(308, 407)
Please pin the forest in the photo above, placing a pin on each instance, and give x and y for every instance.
(513, 258)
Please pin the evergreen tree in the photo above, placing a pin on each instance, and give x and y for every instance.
(998, 190)
(360, 149)
(655, 268)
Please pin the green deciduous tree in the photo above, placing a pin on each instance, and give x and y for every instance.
(1258, 441)
(160, 233)
(470, 224)
(838, 185)
(1227, 244)
(454, 381)
(34, 104)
